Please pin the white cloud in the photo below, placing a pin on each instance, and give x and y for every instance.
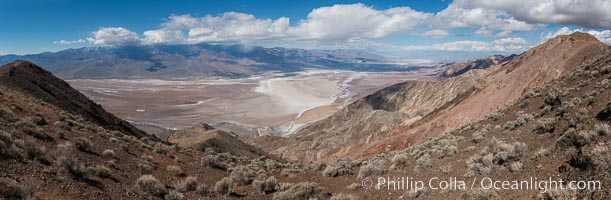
(356, 21)
(162, 36)
(456, 16)
(513, 44)
(585, 13)
(69, 42)
(603, 35)
(113, 36)
(436, 33)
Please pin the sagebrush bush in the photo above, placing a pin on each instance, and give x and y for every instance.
(214, 161)
(600, 157)
(371, 169)
(7, 114)
(423, 162)
(516, 166)
(574, 138)
(174, 195)
(266, 186)
(37, 133)
(188, 184)
(8, 150)
(242, 175)
(149, 184)
(203, 190)
(36, 152)
(399, 161)
(82, 143)
(10, 189)
(108, 153)
(545, 125)
(305, 190)
(339, 168)
(101, 171)
(497, 153)
(223, 186)
(175, 170)
(73, 167)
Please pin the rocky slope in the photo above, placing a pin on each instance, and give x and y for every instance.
(448, 104)
(458, 68)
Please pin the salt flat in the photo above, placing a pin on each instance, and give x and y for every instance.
(278, 103)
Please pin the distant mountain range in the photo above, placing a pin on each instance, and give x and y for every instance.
(175, 61)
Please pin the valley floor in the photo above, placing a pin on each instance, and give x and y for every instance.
(270, 104)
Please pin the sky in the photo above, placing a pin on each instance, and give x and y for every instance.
(399, 28)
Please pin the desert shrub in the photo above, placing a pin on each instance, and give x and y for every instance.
(600, 157)
(37, 133)
(101, 171)
(601, 129)
(213, 161)
(223, 186)
(108, 153)
(149, 184)
(552, 98)
(25, 123)
(342, 196)
(82, 143)
(271, 165)
(305, 190)
(174, 195)
(7, 114)
(516, 166)
(37, 119)
(161, 149)
(505, 152)
(371, 169)
(318, 166)
(339, 168)
(174, 170)
(469, 148)
(478, 136)
(423, 162)
(543, 152)
(496, 153)
(574, 138)
(63, 125)
(10, 189)
(36, 152)
(8, 150)
(188, 184)
(266, 186)
(203, 190)
(494, 116)
(242, 175)
(445, 168)
(480, 164)
(478, 194)
(545, 125)
(71, 165)
(399, 161)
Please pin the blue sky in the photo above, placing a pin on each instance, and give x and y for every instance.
(392, 27)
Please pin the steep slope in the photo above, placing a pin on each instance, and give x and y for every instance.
(30, 79)
(197, 60)
(458, 68)
(459, 100)
(203, 136)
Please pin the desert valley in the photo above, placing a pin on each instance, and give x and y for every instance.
(194, 110)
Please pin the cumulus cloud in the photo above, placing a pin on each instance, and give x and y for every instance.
(458, 16)
(513, 44)
(436, 33)
(584, 13)
(69, 42)
(356, 21)
(603, 35)
(113, 36)
(342, 22)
